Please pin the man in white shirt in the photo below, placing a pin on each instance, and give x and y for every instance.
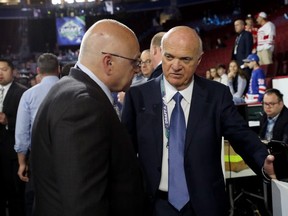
(266, 39)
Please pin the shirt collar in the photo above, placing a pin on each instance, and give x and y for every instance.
(171, 91)
(273, 119)
(97, 80)
(6, 87)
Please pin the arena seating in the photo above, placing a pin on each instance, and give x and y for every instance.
(279, 67)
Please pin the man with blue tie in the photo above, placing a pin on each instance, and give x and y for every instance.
(176, 122)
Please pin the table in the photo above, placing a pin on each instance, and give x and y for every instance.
(246, 172)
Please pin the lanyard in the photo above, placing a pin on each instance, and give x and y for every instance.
(165, 112)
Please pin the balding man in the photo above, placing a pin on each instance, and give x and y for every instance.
(82, 159)
(183, 117)
(243, 44)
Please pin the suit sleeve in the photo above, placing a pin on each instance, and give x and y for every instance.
(243, 140)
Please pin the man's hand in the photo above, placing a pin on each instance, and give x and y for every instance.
(23, 167)
(268, 167)
(3, 119)
(23, 172)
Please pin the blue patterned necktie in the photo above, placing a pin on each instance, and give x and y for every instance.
(178, 194)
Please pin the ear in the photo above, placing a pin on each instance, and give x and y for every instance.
(38, 70)
(107, 64)
(200, 58)
(154, 50)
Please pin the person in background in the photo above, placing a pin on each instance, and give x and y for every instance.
(237, 81)
(214, 74)
(155, 55)
(183, 117)
(146, 63)
(35, 79)
(66, 69)
(220, 43)
(12, 189)
(48, 68)
(208, 75)
(221, 71)
(243, 44)
(146, 69)
(257, 85)
(82, 157)
(250, 27)
(265, 39)
(274, 122)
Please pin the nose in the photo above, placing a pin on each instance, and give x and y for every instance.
(176, 64)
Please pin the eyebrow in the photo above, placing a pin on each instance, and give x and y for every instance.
(181, 58)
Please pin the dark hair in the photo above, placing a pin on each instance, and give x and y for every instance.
(221, 66)
(47, 63)
(276, 92)
(66, 68)
(8, 61)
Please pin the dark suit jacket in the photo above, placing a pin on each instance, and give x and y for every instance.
(11, 187)
(244, 48)
(156, 72)
(10, 107)
(280, 129)
(82, 158)
(212, 115)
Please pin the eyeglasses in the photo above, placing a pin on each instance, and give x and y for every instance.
(271, 104)
(136, 63)
(148, 61)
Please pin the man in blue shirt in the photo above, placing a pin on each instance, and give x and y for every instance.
(48, 68)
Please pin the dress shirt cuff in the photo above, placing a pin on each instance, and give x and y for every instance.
(266, 177)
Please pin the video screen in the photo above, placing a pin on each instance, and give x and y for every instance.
(70, 30)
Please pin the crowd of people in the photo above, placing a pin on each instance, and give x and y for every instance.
(66, 148)
(253, 47)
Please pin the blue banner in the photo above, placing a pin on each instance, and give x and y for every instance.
(70, 30)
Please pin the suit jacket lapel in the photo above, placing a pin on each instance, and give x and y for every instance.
(196, 110)
(8, 97)
(157, 104)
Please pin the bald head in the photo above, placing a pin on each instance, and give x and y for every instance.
(185, 37)
(102, 50)
(239, 26)
(109, 36)
(181, 53)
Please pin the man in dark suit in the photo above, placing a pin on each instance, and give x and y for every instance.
(155, 55)
(243, 45)
(274, 122)
(209, 114)
(11, 187)
(82, 159)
